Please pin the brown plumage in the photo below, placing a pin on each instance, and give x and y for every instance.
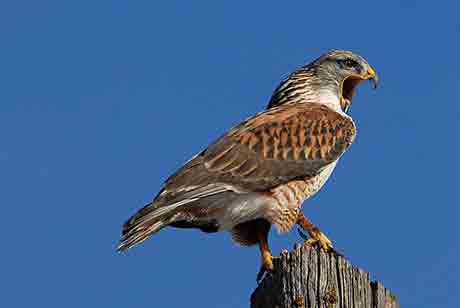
(260, 172)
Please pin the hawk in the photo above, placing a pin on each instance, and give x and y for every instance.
(260, 172)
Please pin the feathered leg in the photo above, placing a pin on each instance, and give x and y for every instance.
(263, 227)
(316, 236)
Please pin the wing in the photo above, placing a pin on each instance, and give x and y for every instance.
(271, 148)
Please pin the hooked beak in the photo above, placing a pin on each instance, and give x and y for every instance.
(372, 77)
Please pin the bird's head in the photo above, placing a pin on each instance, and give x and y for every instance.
(337, 72)
(348, 69)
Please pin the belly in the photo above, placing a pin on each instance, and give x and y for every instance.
(280, 206)
(287, 199)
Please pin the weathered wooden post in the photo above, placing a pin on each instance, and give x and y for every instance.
(308, 277)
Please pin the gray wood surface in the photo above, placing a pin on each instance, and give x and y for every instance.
(308, 277)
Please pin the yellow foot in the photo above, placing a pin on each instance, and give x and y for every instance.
(267, 266)
(317, 239)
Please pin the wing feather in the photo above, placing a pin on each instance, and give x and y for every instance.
(280, 144)
(269, 149)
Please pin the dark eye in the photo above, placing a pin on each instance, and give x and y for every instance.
(349, 63)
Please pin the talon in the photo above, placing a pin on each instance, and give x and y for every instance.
(266, 267)
(260, 274)
(316, 236)
(302, 234)
(317, 239)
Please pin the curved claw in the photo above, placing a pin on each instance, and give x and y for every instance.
(317, 238)
(260, 274)
(264, 269)
(302, 235)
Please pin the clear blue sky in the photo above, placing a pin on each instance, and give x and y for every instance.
(101, 100)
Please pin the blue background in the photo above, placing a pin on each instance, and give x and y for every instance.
(101, 100)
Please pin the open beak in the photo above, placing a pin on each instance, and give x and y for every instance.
(349, 85)
(372, 77)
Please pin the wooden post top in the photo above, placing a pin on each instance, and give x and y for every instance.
(308, 278)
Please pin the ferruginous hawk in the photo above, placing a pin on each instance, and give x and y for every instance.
(261, 171)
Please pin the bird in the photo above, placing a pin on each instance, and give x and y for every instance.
(260, 172)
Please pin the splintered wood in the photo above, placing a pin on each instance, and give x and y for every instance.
(310, 278)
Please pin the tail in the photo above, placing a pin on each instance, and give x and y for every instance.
(157, 215)
(150, 219)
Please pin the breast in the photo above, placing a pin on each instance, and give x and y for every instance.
(315, 183)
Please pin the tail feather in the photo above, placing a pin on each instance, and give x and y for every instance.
(150, 219)
(160, 213)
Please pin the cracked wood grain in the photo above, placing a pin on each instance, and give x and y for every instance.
(310, 278)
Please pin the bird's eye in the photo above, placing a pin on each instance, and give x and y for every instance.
(349, 63)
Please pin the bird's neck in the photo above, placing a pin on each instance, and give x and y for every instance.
(305, 87)
(328, 98)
